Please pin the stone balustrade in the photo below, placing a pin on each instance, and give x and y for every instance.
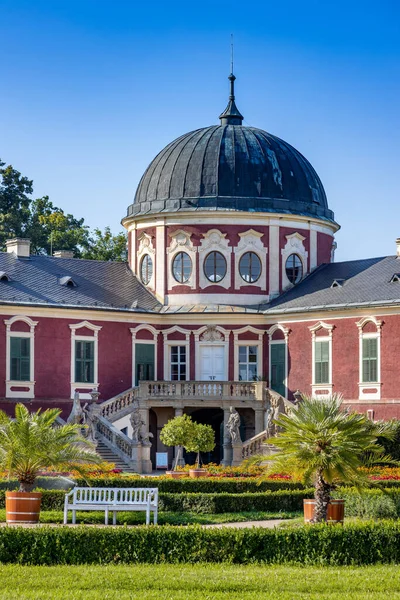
(255, 445)
(117, 441)
(119, 405)
(197, 390)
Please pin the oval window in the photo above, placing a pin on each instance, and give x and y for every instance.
(182, 267)
(250, 267)
(146, 269)
(215, 267)
(294, 268)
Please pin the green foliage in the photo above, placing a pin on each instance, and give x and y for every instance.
(392, 444)
(14, 202)
(355, 544)
(321, 438)
(31, 442)
(177, 431)
(106, 246)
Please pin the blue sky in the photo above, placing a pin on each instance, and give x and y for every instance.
(90, 91)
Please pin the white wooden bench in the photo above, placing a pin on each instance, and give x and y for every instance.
(111, 500)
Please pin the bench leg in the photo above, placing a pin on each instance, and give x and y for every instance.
(114, 517)
(65, 516)
(106, 516)
(148, 515)
(155, 515)
(74, 517)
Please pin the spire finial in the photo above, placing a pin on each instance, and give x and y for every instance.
(231, 115)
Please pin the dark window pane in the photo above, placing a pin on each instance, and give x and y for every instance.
(250, 267)
(215, 267)
(84, 362)
(146, 269)
(182, 267)
(294, 268)
(20, 359)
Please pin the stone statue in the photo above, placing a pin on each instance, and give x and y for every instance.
(136, 423)
(89, 419)
(268, 420)
(76, 415)
(233, 425)
(140, 435)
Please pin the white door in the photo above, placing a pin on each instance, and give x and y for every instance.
(212, 363)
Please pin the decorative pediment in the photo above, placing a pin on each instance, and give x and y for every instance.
(250, 241)
(214, 240)
(211, 334)
(294, 244)
(146, 244)
(180, 241)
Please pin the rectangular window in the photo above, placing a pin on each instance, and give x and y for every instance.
(322, 362)
(278, 368)
(369, 360)
(248, 363)
(178, 363)
(84, 362)
(20, 355)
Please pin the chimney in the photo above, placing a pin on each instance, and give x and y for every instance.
(398, 247)
(63, 254)
(19, 246)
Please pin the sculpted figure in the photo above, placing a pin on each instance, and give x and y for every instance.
(233, 425)
(76, 415)
(89, 421)
(136, 423)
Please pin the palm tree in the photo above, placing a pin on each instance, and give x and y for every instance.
(323, 444)
(32, 442)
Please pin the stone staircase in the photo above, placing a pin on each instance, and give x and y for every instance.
(107, 455)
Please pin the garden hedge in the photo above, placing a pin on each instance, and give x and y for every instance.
(361, 544)
(207, 485)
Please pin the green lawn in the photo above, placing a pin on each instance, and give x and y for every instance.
(199, 582)
(170, 518)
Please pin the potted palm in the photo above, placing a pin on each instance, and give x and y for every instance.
(31, 443)
(201, 440)
(324, 445)
(177, 432)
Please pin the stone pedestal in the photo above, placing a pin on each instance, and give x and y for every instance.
(258, 420)
(137, 457)
(146, 462)
(237, 454)
(227, 459)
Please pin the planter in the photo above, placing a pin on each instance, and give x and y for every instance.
(176, 474)
(335, 512)
(198, 473)
(23, 507)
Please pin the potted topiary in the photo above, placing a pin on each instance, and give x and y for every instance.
(324, 445)
(177, 432)
(31, 443)
(201, 440)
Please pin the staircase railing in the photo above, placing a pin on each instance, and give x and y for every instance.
(114, 439)
(120, 405)
(255, 444)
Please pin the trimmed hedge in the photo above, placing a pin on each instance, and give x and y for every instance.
(206, 485)
(361, 544)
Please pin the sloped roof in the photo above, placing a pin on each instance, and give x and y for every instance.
(364, 282)
(99, 285)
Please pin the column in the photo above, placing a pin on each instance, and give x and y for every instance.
(274, 261)
(160, 262)
(313, 249)
(258, 420)
(227, 458)
(147, 467)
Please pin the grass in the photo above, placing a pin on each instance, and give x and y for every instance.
(199, 582)
(170, 518)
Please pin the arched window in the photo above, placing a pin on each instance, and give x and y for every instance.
(215, 267)
(250, 267)
(146, 269)
(294, 268)
(182, 267)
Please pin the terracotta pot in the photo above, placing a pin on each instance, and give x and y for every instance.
(198, 473)
(23, 507)
(176, 474)
(335, 512)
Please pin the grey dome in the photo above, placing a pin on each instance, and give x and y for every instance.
(229, 167)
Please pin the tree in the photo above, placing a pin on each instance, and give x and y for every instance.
(14, 202)
(106, 246)
(201, 440)
(31, 442)
(323, 445)
(177, 432)
(49, 229)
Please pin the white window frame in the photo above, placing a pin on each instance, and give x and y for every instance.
(167, 350)
(215, 241)
(364, 387)
(237, 343)
(10, 384)
(181, 242)
(134, 331)
(322, 390)
(221, 333)
(270, 332)
(294, 245)
(250, 241)
(146, 246)
(84, 388)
